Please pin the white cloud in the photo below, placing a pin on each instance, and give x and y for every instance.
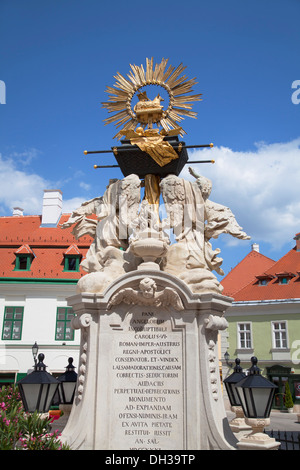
(25, 189)
(20, 188)
(85, 186)
(261, 187)
(71, 204)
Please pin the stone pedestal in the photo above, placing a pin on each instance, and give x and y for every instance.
(237, 424)
(148, 376)
(257, 439)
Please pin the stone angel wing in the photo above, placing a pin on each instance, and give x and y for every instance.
(128, 296)
(83, 224)
(169, 298)
(220, 219)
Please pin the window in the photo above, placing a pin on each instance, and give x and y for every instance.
(64, 332)
(23, 262)
(244, 336)
(264, 279)
(285, 277)
(12, 323)
(72, 263)
(279, 335)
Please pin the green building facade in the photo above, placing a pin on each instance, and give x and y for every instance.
(269, 330)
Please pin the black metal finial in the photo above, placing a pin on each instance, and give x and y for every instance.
(40, 365)
(70, 366)
(237, 367)
(254, 370)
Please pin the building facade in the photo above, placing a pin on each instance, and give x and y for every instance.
(264, 320)
(39, 270)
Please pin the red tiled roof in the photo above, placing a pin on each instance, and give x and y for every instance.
(23, 235)
(244, 272)
(287, 266)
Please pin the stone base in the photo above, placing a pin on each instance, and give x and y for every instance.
(238, 423)
(257, 439)
(148, 377)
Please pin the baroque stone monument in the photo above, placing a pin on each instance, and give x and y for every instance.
(150, 308)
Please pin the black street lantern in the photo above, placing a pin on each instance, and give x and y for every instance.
(67, 384)
(231, 381)
(38, 388)
(256, 393)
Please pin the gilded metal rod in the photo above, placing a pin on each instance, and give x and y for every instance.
(106, 166)
(189, 161)
(120, 149)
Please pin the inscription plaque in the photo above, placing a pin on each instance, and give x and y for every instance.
(147, 380)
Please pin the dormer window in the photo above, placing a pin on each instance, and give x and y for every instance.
(24, 257)
(72, 258)
(284, 277)
(264, 279)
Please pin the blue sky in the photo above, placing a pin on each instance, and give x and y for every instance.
(58, 56)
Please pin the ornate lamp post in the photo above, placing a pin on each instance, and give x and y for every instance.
(37, 389)
(35, 350)
(238, 423)
(256, 394)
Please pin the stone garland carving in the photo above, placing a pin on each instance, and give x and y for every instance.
(213, 369)
(82, 366)
(213, 324)
(147, 295)
(82, 321)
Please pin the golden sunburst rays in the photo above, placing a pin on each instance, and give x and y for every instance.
(177, 86)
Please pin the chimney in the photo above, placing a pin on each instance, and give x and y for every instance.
(52, 207)
(18, 212)
(255, 247)
(297, 238)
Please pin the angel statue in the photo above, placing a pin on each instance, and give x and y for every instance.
(108, 256)
(195, 220)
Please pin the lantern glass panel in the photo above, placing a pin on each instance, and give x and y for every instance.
(236, 398)
(31, 393)
(261, 398)
(256, 402)
(232, 394)
(68, 391)
(39, 396)
(47, 396)
(241, 397)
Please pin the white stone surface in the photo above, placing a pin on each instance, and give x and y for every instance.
(148, 375)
